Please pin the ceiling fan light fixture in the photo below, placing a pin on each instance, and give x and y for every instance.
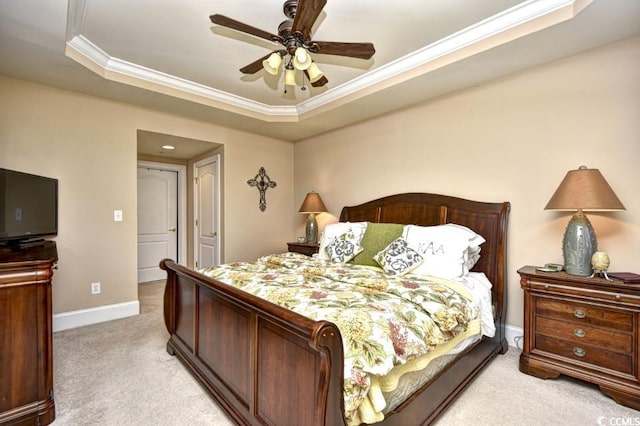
(301, 59)
(272, 63)
(294, 34)
(289, 75)
(314, 73)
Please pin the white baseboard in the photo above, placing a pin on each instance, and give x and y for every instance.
(73, 319)
(513, 334)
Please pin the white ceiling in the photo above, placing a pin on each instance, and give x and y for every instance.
(166, 54)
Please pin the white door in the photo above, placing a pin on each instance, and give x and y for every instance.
(207, 220)
(157, 221)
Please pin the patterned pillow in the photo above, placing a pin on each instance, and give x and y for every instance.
(334, 230)
(398, 258)
(343, 248)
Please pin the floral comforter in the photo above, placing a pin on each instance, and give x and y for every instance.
(384, 320)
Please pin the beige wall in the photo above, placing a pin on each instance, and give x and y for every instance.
(513, 139)
(89, 144)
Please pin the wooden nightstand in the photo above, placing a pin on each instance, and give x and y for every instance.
(586, 328)
(304, 248)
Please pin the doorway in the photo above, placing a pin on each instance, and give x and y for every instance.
(207, 236)
(161, 217)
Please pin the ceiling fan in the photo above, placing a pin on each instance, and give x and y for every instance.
(294, 34)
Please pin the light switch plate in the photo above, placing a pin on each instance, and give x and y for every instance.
(117, 215)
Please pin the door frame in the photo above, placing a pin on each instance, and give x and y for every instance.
(182, 202)
(216, 200)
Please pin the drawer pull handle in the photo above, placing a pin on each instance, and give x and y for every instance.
(579, 332)
(579, 352)
(579, 313)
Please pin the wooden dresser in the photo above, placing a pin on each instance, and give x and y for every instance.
(586, 328)
(26, 351)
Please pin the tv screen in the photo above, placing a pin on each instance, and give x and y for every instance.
(29, 207)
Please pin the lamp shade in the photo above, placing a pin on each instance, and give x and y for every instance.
(584, 189)
(301, 59)
(289, 75)
(312, 204)
(314, 73)
(272, 63)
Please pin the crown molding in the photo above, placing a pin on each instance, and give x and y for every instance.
(518, 21)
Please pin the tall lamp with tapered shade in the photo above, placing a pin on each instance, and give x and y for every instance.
(582, 189)
(312, 204)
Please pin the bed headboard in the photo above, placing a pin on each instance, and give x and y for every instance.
(486, 219)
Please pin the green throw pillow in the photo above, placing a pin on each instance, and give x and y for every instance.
(376, 238)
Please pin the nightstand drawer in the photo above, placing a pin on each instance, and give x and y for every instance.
(570, 311)
(602, 295)
(587, 354)
(582, 334)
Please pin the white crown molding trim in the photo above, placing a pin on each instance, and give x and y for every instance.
(86, 53)
(73, 319)
(518, 21)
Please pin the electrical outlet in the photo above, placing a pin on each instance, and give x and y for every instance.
(95, 288)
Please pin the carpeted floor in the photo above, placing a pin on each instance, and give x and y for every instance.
(118, 373)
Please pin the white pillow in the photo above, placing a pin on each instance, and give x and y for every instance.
(444, 248)
(334, 230)
(473, 252)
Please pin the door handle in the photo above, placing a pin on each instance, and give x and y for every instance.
(213, 234)
(172, 229)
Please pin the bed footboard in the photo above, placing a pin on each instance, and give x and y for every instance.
(262, 363)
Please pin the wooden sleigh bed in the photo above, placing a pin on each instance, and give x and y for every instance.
(236, 344)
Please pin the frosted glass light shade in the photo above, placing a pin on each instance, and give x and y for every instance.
(314, 73)
(290, 76)
(301, 59)
(272, 63)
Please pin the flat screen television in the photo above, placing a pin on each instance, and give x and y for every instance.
(29, 207)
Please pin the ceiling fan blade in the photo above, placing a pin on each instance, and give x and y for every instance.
(239, 26)
(354, 50)
(321, 82)
(255, 66)
(306, 14)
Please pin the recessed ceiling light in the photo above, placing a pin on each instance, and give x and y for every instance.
(168, 147)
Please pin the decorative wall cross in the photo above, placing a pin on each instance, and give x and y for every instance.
(262, 182)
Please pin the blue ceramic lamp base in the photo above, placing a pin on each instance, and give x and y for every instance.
(579, 245)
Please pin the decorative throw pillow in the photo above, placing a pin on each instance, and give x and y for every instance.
(398, 258)
(334, 230)
(376, 237)
(344, 248)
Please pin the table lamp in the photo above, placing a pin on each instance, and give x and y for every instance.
(312, 204)
(582, 189)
